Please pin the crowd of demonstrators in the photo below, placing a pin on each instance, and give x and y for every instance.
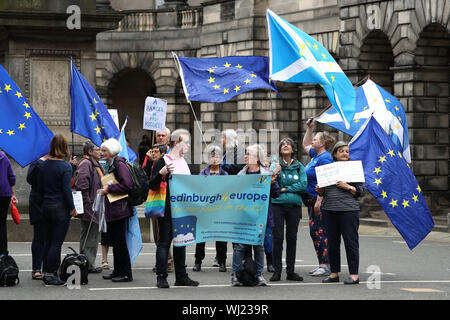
(254, 156)
(214, 153)
(88, 180)
(333, 211)
(171, 163)
(316, 147)
(341, 211)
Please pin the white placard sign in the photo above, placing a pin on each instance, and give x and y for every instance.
(78, 201)
(348, 171)
(155, 114)
(115, 115)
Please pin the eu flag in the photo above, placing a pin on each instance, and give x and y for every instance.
(221, 79)
(89, 117)
(392, 183)
(23, 135)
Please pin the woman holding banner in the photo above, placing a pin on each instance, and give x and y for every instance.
(316, 148)
(341, 213)
(254, 157)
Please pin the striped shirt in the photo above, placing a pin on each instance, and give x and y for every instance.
(338, 199)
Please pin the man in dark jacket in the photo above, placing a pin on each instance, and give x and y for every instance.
(88, 181)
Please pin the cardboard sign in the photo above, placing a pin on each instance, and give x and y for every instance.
(348, 171)
(155, 114)
(108, 180)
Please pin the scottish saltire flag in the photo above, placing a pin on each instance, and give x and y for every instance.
(221, 79)
(386, 109)
(133, 233)
(297, 57)
(392, 182)
(23, 135)
(89, 116)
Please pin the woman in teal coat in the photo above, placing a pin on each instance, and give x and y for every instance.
(287, 208)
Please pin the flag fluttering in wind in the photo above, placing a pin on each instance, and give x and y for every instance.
(89, 116)
(23, 135)
(221, 79)
(297, 57)
(390, 180)
(386, 109)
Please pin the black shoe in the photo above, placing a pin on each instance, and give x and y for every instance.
(329, 279)
(109, 276)
(96, 270)
(294, 277)
(275, 277)
(270, 268)
(161, 282)
(351, 281)
(154, 269)
(122, 279)
(197, 267)
(222, 267)
(186, 282)
(52, 281)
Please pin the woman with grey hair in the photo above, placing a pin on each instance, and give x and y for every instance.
(117, 212)
(233, 154)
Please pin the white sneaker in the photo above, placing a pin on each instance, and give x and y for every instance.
(216, 262)
(262, 281)
(234, 281)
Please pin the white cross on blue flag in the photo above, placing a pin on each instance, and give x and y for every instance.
(297, 57)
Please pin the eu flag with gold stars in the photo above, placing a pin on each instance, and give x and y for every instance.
(23, 135)
(89, 116)
(391, 182)
(221, 79)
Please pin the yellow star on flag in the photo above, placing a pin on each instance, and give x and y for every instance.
(226, 91)
(253, 75)
(377, 181)
(399, 118)
(10, 132)
(303, 46)
(324, 55)
(393, 203)
(332, 78)
(316, 47)
(356, 120)
(237, 88)
(382, 159)
(22, 126)
(247, 81)
(216, 86)
(27, 115)
(26, 105)
(1, 130)
(396, 108)
(7, 87)
(211, 79)
(365, 107)
(399, 154)
(93, 116)
(18, 94)
(309, 44)
(98, 130)
(377, 170)
(405, 203)
(227, 65)
(383, 194)
(391, 153)
(95, 101)
(418, 188)
(239, 66)
(211, 70)
(387, 100)
(301, 53)
(415, 198)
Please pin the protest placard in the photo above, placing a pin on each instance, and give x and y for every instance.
(348, 171)
(155, 114)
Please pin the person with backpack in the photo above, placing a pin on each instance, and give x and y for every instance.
(117, 212)
(254, 158)
(171, 163)
(88, 180)
(287, 208)
(7, 195)
(214, 154)
(57, 207)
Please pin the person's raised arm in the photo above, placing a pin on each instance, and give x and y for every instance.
(307, 139)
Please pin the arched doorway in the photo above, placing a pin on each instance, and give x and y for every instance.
(128, 91)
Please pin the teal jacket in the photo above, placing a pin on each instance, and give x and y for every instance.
(294, 179)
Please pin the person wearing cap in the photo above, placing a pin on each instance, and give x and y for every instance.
(316, 147)
(340, 208)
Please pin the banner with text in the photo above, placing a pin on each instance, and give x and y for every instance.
(219, 208)
(155, 114)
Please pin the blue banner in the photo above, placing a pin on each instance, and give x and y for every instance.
(219, 208)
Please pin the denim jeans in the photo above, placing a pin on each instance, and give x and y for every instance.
(37, 245)
(162, 250)
(55, 223)
(239, 253)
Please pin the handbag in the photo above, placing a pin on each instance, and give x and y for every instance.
(156, 202)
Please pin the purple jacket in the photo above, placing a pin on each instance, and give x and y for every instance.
(119, 209)
(88, 182)
(7, 176)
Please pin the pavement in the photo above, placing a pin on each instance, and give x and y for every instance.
(388, 270)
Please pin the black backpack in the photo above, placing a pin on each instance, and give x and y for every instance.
(141, 185)
(9, 272)
(76, 259)
(246, 274)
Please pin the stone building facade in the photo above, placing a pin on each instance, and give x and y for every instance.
(403, 44)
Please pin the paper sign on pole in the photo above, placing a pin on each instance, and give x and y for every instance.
(155, 114)
(348, 171)
(115, 115)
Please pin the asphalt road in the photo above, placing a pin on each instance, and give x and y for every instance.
(403, 274)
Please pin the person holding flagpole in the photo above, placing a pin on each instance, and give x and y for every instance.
(316, 148)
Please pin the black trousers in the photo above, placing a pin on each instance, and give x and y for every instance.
(345, 224)
(4, 206)
(221, 250)
(117, 233)
(291, 216)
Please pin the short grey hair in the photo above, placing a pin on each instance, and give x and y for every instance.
(231, 138)
(113, 146)
(176, 135)
(167, 130)
(258, 150)
(88, 145)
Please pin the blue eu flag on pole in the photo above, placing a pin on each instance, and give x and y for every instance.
(391, 181)
(221, 79)
(89, 117)
(386, 109)
(297, 57)
(23, 135)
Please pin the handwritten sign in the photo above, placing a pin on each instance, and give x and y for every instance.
(348, 171)
(155, 114)
(78, 201)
